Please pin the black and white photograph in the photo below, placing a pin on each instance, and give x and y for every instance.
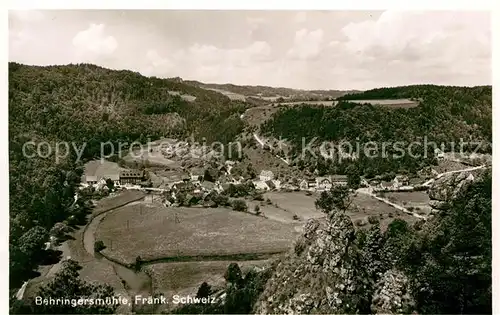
(278, 161)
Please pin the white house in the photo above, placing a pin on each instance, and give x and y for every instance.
(439, 154)
(323, 183)
(260, 185)
(266, 175)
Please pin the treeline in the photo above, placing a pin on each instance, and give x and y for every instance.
(444, 115)
(90, 105)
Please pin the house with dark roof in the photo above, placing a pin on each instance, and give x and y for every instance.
(131, 177)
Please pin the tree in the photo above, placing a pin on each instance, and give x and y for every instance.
(99, 246)
(251, 172)
(338, 198)
(257, 210)
(233, 273)
(353, 177)
(59, 230)
(67, 284)
(239, 205)
(204, 290)
(110, 184)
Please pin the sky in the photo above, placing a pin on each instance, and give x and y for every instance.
(338, 50)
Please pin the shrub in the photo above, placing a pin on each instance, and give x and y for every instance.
(258, 196)
(373, 219)
(239, 205)
(99, 246)
(391, 215)
(295, 217)
(257, 209)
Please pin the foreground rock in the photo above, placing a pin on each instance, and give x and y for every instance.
(448, 187)
(323, 275)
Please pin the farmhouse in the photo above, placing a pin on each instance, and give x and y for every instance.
(260, 185)
(196, 173)
(439, 154)
(323, 183)
(307, 184)
(131, 177)
(339, 180)
(401, 180)
(266, 176)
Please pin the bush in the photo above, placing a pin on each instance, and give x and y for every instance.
(295, 217)
(258, 196)
(239, 205)
(257, 209)
(373, 219)
(391, 215)
(99, 246)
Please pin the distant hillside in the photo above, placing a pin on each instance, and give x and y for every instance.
(270, 92)
(444, 115)
(108, 105)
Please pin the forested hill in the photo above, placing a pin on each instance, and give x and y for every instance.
(415, 91)
(268, 91)
(109, 104)
(444, 115)
(89, 104)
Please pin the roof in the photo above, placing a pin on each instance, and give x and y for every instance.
(197, 171)
(207, 185)
(132, 173)
(91, 178)
(321, 179)
(112, 177)
(266, 173)
(339, 178)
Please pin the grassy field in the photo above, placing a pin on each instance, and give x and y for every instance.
(447, 166)
(156, 234)
(417, 200)
(100, 168)
(396, 103)
(297, 203)
(364, 206)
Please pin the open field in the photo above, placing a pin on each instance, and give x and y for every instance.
(155, 233)
(447, 166)
(100, 168)
(394, 103)
(318, 103)
(366, 206)
(297, 203)
(418, 200)
(233, 96)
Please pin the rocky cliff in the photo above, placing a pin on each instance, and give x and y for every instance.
(324, 274)
(448, 187)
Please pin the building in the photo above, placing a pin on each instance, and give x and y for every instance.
(339, 180)
(401, 180)
(266, 176)
(196, 173)
(439, 154)
(134, 177)
(323, 183)
(260, 185)
(115, 178)
(91, 180)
